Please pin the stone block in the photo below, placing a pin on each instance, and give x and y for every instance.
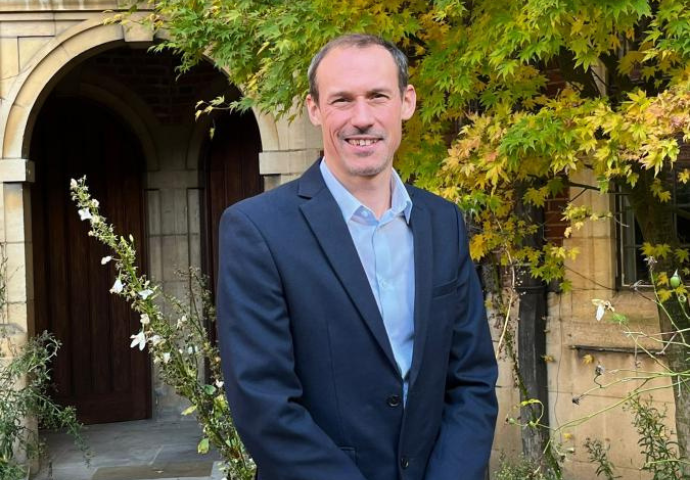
(505, 373)
(62, 26)
(153, 206)
(286, 162)
(34, 7)
(9, 57)
(598, 418)
(587, 470)
(573, 374)
(17, 264)
(268, 131)
(289, 177)
(299, 134)
(18, 315)
(30, 28)
(155, 257)
(271, 182)
(194, 210)
(5, 87)
(28, 47)
(136, 32)
(173, 211)
(13, 170)
(17, 212)
(595, 265)
(175, 251)
(101, 35)
(46, 68)
(170, 179)
(195, 249)
(12, 338)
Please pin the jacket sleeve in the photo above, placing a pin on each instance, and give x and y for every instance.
(256, 348)
(463, 445)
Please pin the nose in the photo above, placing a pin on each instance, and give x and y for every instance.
(362, 115)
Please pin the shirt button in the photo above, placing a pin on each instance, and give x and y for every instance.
(394, 401)
(404, 462)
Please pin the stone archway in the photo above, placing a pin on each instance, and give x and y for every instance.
(173, 195)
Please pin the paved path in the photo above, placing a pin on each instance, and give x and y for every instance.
(140, 450)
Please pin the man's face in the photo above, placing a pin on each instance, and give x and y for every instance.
(360, 110)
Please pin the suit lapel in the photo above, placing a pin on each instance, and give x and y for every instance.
(326, 222)
(420, 222)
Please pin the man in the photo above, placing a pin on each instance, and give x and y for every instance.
(352, 330)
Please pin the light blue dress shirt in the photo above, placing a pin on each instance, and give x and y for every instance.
(386, 250)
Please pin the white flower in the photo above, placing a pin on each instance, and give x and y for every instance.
(145, 320)
(95, 219)
(84, 214)
(166, 357)
(117, 287)
(138, 339)
(602, 307)
(192, 349)
(156, 340)
(105, 260)
(144, 294)
(94, 203)
(219, 383)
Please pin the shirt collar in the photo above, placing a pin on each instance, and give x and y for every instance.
(348, 203)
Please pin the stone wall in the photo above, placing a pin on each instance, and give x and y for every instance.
(64, 45)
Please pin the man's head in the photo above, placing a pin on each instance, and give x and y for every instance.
(358, 40)
(360, 97)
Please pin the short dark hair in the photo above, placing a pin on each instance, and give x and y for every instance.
(358, 40)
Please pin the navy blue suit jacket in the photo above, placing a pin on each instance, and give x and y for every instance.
(309, 371)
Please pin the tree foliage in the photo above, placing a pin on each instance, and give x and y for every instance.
(516, 100)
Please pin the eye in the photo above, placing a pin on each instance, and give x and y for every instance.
(339, 101)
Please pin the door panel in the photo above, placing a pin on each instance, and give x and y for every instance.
(231, 174)
(95, 369)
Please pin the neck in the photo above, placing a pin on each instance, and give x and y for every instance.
(374, 192)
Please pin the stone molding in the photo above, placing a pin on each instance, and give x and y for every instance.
(16, 170)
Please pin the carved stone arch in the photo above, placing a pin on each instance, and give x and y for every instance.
(51, 63)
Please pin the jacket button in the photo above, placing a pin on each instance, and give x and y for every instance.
(404, 462)
(394, 401)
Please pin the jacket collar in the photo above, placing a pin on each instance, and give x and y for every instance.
(325, 219)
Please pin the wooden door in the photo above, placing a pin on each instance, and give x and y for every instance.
(231, 171)
(95, 369)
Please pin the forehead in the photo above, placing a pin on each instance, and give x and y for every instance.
(351, 67)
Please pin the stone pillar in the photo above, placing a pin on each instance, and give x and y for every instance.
(15, 237)
(298, 146)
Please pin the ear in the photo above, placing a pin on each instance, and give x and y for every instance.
(409, 102)
(314, 111)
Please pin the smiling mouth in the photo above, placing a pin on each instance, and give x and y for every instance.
(362, 142)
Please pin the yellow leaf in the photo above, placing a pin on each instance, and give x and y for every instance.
(684, 176)
(588, 359)
(663, 294)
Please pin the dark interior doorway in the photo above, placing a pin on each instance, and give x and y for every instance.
(95, 370)
(231, 174)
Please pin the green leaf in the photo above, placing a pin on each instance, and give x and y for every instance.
(203, 446)
(189, 410)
